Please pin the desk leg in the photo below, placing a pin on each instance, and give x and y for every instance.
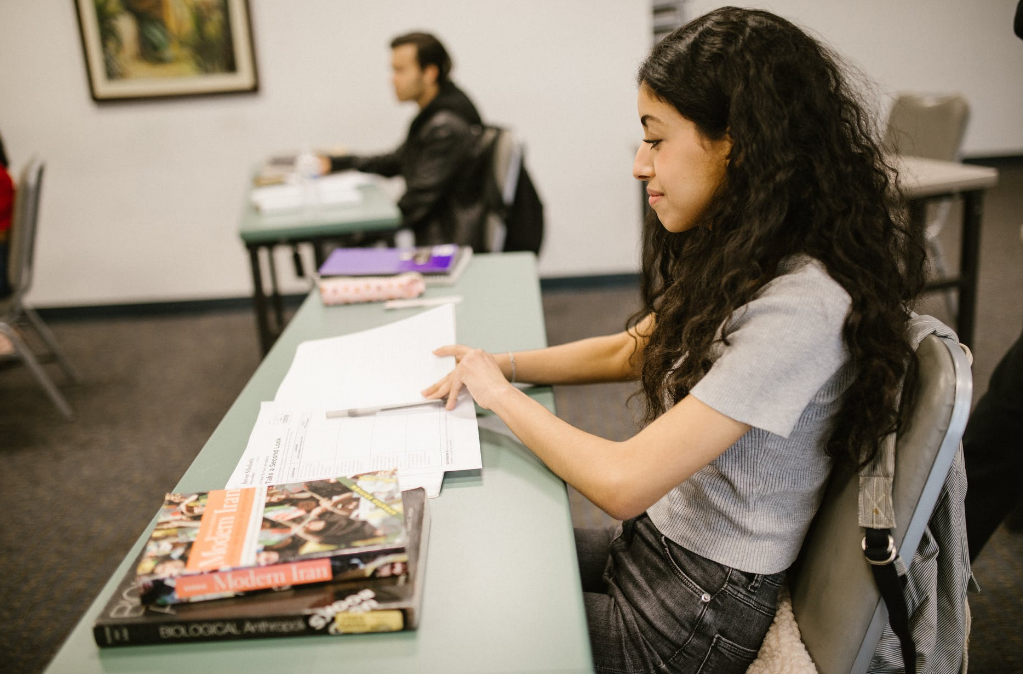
(318, 250)
(259, 300)
(969, 265)
(275, 295)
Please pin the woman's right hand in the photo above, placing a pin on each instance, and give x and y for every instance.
(475, 369)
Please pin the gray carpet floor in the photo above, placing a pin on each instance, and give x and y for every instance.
(75, 496)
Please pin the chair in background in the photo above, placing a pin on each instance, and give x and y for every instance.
(504, 166)
(514, 219)
(834, 595)
(14, 312)
(931, 127)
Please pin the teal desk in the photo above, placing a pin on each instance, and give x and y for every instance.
(502, 584)
(376, 213)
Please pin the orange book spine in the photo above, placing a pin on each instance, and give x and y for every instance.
(221, 539)
(257, 578)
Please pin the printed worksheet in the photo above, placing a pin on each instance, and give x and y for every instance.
(295, 439)
(290, 444)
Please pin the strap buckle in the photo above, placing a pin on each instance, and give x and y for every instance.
(892, 552)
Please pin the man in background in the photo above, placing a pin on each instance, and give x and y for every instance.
(440, 159)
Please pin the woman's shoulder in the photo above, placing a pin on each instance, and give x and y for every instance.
(804, 268)
(805, 281)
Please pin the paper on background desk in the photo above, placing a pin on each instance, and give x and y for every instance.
(330, 190)
(388, 365)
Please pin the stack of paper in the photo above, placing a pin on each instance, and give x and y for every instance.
(295, 440)
(330, 190)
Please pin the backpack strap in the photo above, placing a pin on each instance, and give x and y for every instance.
(877, 517)
(879, 549)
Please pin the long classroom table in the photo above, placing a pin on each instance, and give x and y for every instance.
(502, 584)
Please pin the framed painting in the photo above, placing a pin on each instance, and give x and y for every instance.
(137, 49)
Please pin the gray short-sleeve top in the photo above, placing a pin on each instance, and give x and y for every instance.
(783, 373)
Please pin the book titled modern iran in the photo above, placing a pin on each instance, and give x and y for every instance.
(351, 607)
(225, 542)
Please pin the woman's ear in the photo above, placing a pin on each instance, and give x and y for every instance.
(726, 146)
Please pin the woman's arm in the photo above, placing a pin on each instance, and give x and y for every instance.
(611, 358)
(622, 478)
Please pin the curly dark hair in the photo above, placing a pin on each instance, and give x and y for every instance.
(805, 176)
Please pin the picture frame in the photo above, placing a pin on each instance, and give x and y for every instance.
(152, 49)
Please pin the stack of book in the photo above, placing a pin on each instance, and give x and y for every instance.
(439, 265)
(337, 556)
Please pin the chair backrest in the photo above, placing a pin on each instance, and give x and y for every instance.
(927, 126)
(507, 160)
(834, 596)
(23, 228)
(504, 167)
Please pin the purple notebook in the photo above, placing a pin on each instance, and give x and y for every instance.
(388, 261)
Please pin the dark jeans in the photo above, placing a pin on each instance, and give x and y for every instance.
(993, 450)
(653, 606)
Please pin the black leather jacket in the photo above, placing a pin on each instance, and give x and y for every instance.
(443, 167)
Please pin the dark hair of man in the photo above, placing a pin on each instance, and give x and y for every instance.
(429, 52)
(805, 176)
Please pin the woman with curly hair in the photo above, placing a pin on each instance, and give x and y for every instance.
(777, 274)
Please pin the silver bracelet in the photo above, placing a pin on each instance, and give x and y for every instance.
(511, 359)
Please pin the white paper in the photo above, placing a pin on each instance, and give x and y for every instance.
(290, 444)
(389, 365)
(330, 190)
(348, 180)
(293, 440)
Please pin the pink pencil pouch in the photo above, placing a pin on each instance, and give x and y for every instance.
(351, 289)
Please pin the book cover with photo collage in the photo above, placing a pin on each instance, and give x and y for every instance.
(225, 542)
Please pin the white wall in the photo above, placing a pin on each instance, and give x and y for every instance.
(141, 200)
(924, 46)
